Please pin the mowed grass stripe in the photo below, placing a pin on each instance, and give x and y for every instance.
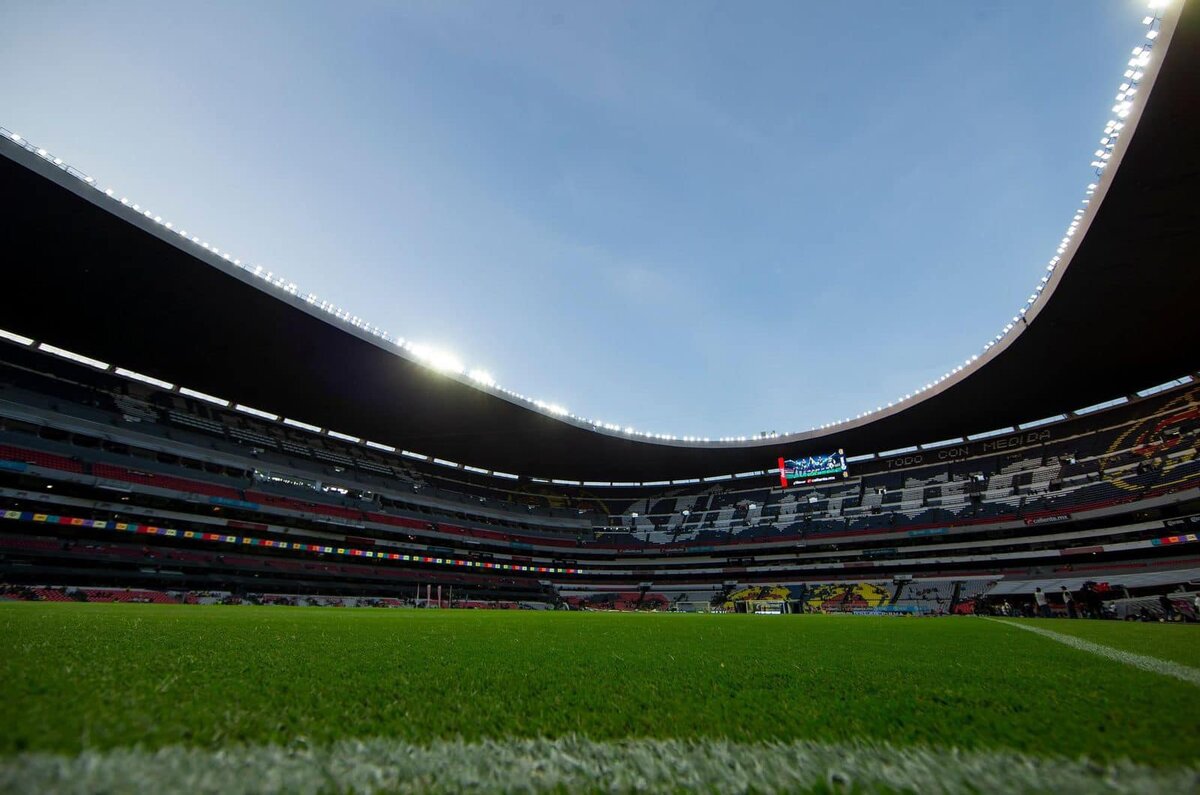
(1183, 673)
(86, 676)
(576, 765)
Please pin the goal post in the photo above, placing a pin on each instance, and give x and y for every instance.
(771, 607)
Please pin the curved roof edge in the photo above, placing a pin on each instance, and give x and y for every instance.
(1143, 214)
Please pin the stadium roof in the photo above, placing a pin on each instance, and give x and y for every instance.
(1116, 315)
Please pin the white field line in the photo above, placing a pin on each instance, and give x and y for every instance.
(575, 764)
(1165, 667)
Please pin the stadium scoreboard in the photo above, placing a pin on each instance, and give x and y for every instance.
(812, 469)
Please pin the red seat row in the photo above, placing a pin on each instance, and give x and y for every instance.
(164, 481)
(37, 458)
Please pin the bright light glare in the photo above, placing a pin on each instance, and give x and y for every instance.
(446, 362)
(441, 361)
(8, 335)
(482, 377)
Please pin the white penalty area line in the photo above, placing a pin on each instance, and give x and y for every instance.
(574, 764)
(1184, 673)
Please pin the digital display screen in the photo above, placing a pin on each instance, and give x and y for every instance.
(812, 469)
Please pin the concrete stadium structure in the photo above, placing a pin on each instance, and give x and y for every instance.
(246, 438)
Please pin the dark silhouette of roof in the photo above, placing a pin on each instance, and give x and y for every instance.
(1119, 315)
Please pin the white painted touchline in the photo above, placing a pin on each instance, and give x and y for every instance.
(1164, 667)
(573, 764)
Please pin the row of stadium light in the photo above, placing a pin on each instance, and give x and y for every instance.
(293, 423)
(196, 394)
(447, 363)
(1128, 88)
(434, 358)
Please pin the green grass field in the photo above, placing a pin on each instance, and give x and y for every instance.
(94, 678)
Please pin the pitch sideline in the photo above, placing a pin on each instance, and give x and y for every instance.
(1146, 663)
(576, 764)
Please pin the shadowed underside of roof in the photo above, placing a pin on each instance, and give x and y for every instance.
(1122, 317)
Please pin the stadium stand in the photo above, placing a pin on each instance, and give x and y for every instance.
(886, 515)
(232, 502)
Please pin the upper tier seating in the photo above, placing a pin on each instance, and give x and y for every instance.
(38, 458)
(164, 481)
(1105, 467)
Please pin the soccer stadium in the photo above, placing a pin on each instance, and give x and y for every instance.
(251, 542)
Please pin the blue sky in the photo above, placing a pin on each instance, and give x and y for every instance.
(694, 218)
